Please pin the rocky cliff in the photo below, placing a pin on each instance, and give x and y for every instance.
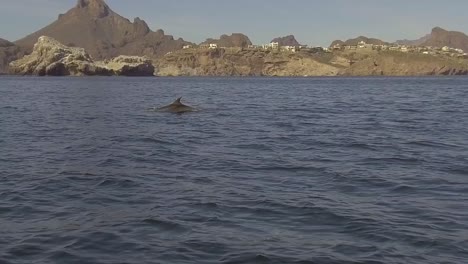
(394, 63)
(258, 62)
(235, 40)
(92, 25)
(50, 57)
(241, 62)
(286, 41)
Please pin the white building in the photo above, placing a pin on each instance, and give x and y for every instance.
(187, 47)
(289, 48)
(272, 45)
(213, 46)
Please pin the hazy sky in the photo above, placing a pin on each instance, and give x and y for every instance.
(312, 22)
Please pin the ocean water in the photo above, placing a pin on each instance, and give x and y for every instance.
(271, 170)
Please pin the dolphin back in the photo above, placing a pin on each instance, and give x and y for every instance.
(176, 107)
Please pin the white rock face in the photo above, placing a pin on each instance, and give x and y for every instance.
(129, 65)
(50, 57)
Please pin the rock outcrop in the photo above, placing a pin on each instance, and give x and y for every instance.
(50, 57)
(287, 41)
(129, 66)
(104, 34)
(235, 40)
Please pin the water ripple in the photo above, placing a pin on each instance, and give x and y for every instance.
(320, 170)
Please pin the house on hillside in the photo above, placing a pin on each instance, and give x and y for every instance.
(272, 45)
(289, 48)
(364, 45)
(336, 47)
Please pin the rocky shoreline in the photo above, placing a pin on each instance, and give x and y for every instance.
(252, 62)
(51, 58)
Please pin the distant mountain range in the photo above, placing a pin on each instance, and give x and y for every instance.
(355, 41)
(94, 26)
(437, 38)
(235, 40)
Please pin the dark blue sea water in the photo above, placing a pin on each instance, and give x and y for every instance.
(271, 170)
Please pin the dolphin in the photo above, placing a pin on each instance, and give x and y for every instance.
(176, 107)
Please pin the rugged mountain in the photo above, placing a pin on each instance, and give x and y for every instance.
(286, 41)
(355, 41)
(92, 25)
(440, 37)
(8, 52)
(416, 42)
(235, 40)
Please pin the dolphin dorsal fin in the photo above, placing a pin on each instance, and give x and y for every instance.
(178, 101)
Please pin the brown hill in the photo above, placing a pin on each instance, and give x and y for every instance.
(8, 52)
(355, 41)
(286, 41)
(440, 37)
(235, 40)
(5, 43)
(92, 25)
(416, 42)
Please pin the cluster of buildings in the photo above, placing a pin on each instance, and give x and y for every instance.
(203, 46)
(448, 51)
(277, 46)
(269, 46)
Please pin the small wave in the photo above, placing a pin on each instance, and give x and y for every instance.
(391, 160)
(360, 146)
(8, 107)
(246, 258)
(402, 188)
(154, 140)
(24, 250)
(119, 183)
(288, 168)
(426, 143)
(165, 225)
